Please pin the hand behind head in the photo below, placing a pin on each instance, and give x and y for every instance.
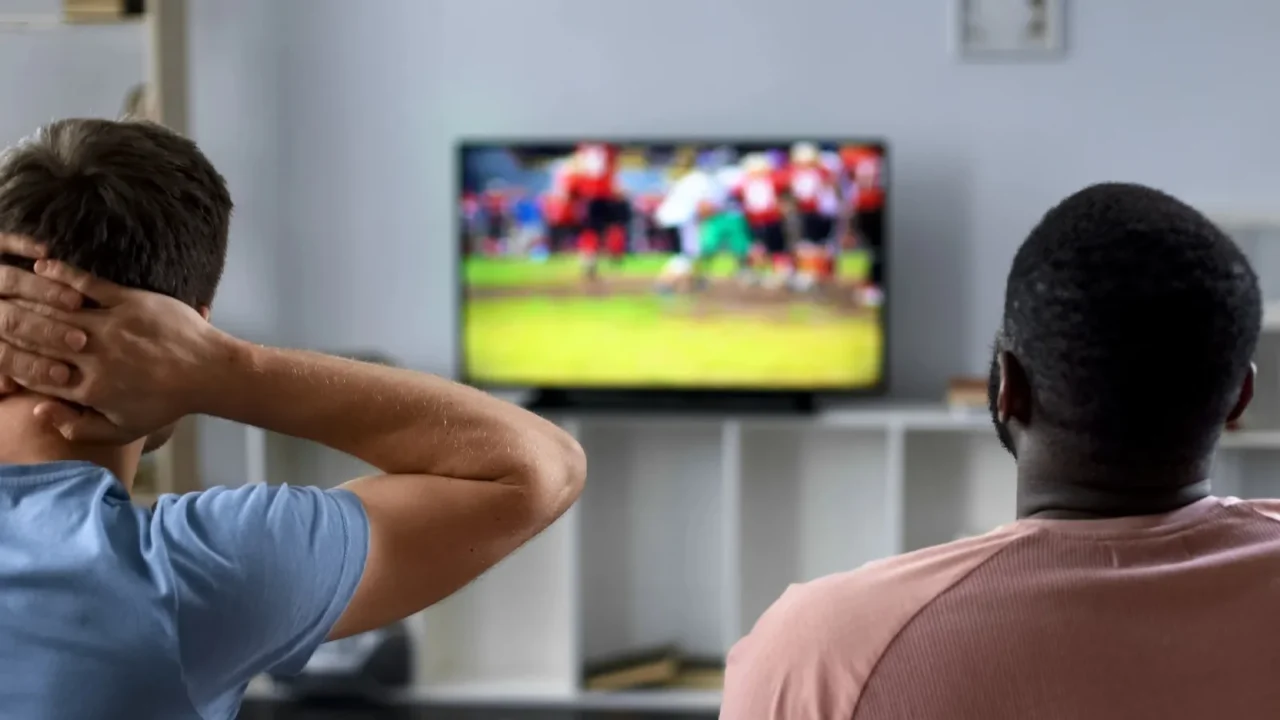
(137, 370)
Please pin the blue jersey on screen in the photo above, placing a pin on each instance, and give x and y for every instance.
(527, 212)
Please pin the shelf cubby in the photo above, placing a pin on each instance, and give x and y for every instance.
(653, 544)
(814, 500)
(957, 482)
(512, 632)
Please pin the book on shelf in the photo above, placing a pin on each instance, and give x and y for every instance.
(965, 394)
(102, 11)
(653, 668)
(699, 675)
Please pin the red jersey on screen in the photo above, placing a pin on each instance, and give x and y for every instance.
(866, 169)
(557, 209)
(495, 202)
(561, 178)
(593, 173)
(807, 184)
(760, 195)
(470, 205)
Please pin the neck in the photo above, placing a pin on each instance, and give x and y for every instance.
(24, 441)
(1055, 483)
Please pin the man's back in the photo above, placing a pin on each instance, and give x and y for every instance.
(112, 611)
(1166, 617)
(76, 610)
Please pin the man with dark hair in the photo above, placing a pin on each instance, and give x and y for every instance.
(114, 611)
(1124, 589)
(129, 202)
(1130, 324)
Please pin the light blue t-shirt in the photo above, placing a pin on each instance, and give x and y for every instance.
(108, 610)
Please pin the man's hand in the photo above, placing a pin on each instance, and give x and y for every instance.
(148, 361)
(25, 331)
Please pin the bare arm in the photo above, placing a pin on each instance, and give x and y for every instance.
(471, 478)
(397, 420)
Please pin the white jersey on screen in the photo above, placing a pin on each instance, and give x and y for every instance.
(680, 206)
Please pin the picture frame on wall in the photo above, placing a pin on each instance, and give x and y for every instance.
(1009, 30)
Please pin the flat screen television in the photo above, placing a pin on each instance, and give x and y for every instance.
(749, 267)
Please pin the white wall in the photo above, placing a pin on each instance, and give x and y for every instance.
(373, 100)
(363, 252)
(335, 129)
(54, 72)
(235, 105)
(235, 118)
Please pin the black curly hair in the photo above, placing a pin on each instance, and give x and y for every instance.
(1135, 320)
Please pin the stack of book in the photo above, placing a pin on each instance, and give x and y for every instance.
(967, 394)
(663, 667)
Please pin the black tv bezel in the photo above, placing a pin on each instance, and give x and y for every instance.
(696, 396)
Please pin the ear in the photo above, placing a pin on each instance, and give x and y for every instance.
(204, 311)
(1246, 394)
(1013, 401)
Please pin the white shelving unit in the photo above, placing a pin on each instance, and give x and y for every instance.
(689, 528)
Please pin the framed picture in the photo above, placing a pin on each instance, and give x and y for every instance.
(1009, 30)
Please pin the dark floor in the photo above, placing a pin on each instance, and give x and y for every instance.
(292, 711)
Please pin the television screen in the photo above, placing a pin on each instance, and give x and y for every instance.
(714, 266)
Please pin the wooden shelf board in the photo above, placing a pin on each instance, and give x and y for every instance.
(536, 693)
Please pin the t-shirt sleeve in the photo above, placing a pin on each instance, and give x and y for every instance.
(813, 651)
(260, 575)
(784, 670)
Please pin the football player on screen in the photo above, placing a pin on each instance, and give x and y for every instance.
(698, 210)
(495, 204)
(593, 181)
(760, 192)
(561, 220)
(864, 169)
(811, 183)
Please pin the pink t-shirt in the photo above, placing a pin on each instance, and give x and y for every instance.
(1170, 617)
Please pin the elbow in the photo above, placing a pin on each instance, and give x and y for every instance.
(578, 468)
(557, 476)
(571, 468)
